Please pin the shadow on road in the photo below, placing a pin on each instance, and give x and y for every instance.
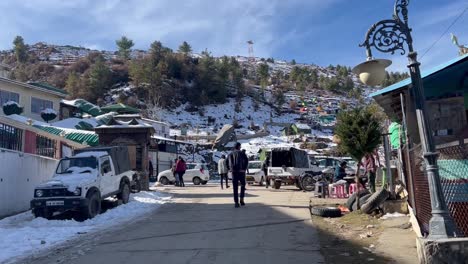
(208, 231)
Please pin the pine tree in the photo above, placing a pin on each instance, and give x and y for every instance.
(263, 74)
(99, 79)
(124, 44)
(20, 49)
(185, 48)
(359, 133)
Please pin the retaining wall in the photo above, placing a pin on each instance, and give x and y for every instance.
(19, 174)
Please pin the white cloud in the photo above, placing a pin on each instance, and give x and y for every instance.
(222, 27)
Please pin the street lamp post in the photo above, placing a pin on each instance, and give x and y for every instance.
(389, 36)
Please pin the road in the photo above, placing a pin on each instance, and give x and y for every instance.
(201, 225)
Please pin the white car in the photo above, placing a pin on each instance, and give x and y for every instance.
(255, 173)
(197, 173)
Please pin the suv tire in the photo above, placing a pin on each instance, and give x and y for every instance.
(124, 194)
(41, 213)
(94, 205)
(277, 184)
(308, 183)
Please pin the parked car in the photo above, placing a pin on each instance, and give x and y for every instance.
(291, 166)
(255, 173)
(81, 182)
(197, 173)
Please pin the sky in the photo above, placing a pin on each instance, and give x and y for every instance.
(321, 32)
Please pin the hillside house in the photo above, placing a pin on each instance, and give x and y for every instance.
(33, 97)
(4, 70)
(296, 129)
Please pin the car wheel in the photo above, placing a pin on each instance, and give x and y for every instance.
(136, 188)
(42, 213)
(164, 181)
(277, 184)
(94, 205)
(325, 211)
(261, 181)
(308, 183)
(124, 194)
(196, 181)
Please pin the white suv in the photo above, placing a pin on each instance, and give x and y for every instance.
(255, 172)
(197, 173)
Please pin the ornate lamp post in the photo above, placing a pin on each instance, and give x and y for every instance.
(389, 36)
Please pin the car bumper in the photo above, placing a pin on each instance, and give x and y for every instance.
(68, 203)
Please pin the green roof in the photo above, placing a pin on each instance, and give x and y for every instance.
(85, 107)
(120, 108)
(48, 87)
(73, 135)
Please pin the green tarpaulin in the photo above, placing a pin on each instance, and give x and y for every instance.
(90, 139)
(120, 108)
(396, 133)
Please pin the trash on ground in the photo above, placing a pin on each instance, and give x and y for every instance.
(393, 215)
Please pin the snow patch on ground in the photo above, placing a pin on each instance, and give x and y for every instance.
(23, 235)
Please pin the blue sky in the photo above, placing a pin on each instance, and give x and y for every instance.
(312, 31)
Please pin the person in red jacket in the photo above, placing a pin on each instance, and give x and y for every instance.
(180, 169)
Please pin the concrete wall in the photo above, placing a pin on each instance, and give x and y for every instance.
(20, 173)
(442, 251)
(25, 95)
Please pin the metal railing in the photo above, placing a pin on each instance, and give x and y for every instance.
(453, 170)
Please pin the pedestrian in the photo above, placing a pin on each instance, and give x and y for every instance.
(371, 168)
(150, 169)
(176, 177)
(223, 170)
(265, 165)
(238, 163)
(181, 167)
(340, 173)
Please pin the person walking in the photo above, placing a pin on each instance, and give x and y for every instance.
(223, 170)
(176, 177)
(181, 167)
(265, 165)
(371, 167)
(238, 163)
(150, 169)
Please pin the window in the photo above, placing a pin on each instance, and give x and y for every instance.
(11, 137)
(191, 166)
(6, 96)
(37, 105)
(105, 165)
(45, 146)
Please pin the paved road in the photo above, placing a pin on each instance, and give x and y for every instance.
(202, 226)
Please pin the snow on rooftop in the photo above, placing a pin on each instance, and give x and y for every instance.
(73, 122)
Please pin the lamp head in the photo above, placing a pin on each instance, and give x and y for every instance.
(372, 71)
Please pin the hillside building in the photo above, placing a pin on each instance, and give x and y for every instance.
(33, 97)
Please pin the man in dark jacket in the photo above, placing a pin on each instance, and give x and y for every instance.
(238, 163)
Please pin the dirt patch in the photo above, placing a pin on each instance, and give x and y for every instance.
(357, 238)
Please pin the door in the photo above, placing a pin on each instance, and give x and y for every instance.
(190, 172)
(107, 176)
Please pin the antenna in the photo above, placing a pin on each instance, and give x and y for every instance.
(251, 53)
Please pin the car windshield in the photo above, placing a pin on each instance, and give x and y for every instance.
(76, 165)
(255, 165)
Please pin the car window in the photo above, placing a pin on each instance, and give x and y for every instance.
(205, 167)
(190, 166)
(105, 165)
